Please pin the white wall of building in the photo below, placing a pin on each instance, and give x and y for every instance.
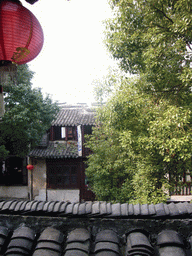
(71, 195)
(21, 192)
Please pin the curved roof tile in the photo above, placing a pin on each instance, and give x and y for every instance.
(72, 116)
(94, 228)
(56, 150)
(96, 209)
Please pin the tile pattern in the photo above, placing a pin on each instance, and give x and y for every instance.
(81, 242)
(60, 150)
(96, 209)
(93, 228)
(74, 115)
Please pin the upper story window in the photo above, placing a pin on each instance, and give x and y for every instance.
(63, 133)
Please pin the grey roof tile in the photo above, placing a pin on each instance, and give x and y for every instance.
(137, 209)
(124, 209)
(21, 243)
(152, 209)
(4, 231)
(51, 235)
(171, 251)
(130, 209)
(63, 207)
(29, 206)
(188, 207)
(167, 237)
(13, 205)
(78, 235)
(107, 246)
(46, 206)
(167, 211)
(75, 253)
(145, 209)
(173, 210)
(95, 208)
(94, 234)
(85, 247)
(2, 203)
(40, 206)
(107, 235)
(69, 208)
(22, 207)
(109, 208)
(18, 206)
(57, 206)
(160, 210)
(103, 208)
(74, 115)
(76, 209)
(140, 251)
(46, 252)
(182, 209)
(106, 253)
(24, 232)
(16, 251)
(51, 206)
(53, 150)
(48, 245)
(88, 208)
(7, 205)
(34, 206)
(138, 239)
(116, 209)
(82, 209)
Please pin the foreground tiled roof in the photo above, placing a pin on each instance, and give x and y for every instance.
(75, 115)
(56, 150)
(97, 209)
(94, 228)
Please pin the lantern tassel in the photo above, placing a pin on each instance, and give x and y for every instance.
(8, 73)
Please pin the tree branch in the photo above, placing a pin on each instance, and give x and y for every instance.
(163, 14)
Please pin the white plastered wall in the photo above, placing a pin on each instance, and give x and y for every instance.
(71, 195)
(21, 192)
(40, 191)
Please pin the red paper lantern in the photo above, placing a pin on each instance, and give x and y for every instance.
(30, 167)
(21, 35)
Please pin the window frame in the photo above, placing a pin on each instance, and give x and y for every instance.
(54, 174)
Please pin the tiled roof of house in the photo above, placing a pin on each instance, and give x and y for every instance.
(56, 150)
(97, 209)
(74, 115)
(54, 228)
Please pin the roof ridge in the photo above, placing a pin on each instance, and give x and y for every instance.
(98, 209)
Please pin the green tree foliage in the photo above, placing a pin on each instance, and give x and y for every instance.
(27, 115)
(153, 38)
(136, 144)
(142, 143)
(103, 88)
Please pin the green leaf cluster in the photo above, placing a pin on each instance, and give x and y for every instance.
(28, 115)
(142, 144)
(140, 147)
(153, 39)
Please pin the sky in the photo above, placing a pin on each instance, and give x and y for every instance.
(73, 54)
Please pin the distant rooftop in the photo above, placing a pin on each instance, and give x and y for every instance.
(72, 115)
